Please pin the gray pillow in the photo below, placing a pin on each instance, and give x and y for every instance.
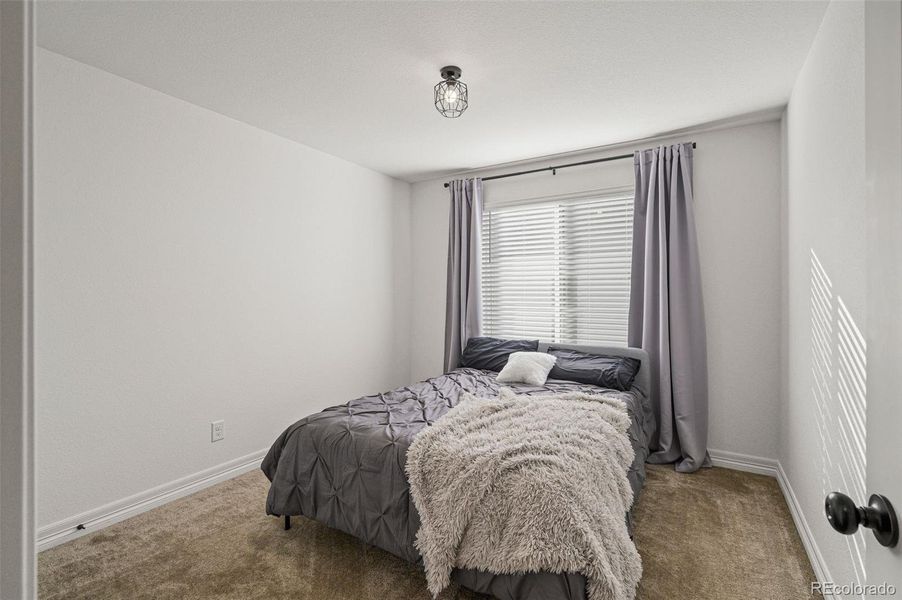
(491, 353)
(613, 372)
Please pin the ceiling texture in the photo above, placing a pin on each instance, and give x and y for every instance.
(354, 79)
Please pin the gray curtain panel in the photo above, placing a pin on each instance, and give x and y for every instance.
(666, 315)
(463, 313)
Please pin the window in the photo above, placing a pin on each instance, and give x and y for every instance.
(558, 269)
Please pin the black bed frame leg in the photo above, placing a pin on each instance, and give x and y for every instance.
(287, 522)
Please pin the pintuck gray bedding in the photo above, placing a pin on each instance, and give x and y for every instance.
(345, 467)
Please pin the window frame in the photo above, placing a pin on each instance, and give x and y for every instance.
(564, 329)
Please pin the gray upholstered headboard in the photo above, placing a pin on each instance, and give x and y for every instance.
(643, 377)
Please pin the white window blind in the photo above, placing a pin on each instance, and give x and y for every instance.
(558, 270)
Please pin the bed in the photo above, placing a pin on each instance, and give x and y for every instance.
(344, 466)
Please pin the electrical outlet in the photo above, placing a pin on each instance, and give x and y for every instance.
(217, 431)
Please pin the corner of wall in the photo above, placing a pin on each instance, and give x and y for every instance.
(428, 243)
(784, 279)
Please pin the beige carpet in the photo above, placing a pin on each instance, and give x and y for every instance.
(713, 535)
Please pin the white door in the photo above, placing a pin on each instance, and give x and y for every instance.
(883, 32)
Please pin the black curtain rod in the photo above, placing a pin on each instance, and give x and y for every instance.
(576, 164)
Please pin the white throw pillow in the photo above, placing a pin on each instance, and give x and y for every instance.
(527, 367)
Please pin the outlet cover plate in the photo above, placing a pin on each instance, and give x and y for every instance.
(217, 431)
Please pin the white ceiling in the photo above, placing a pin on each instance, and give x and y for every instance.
(354, 79)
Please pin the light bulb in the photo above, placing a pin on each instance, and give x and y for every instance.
(451, 94)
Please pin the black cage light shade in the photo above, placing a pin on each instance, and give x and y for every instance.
(451, 93)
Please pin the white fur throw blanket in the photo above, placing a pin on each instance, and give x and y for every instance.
(527, 483)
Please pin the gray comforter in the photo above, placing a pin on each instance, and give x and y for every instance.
(345, 466)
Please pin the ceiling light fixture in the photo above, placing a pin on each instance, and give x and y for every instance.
(451, 94)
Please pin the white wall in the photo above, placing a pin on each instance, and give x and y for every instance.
(738, 199)
(189, 268)
(822, 435)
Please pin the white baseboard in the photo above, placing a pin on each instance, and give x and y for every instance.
(773, 468)
(744, 462)
(98, 518)
(821, 572)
